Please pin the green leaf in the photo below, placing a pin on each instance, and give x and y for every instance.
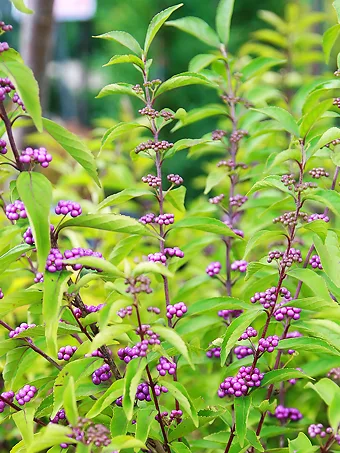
(156, 23)
(19, 299)
(25, 424)
(336, 6)
(12, 255)
(315, 345)
(242, 407)
(183, 144)
(311, 279)
(218, 303)
(259, 65)
(123, 442)
(331, 134)
(123, 196)
(274, 376)
(223, 18)
(329, 39)
(180, 447)
(270, 36)
(273, 19)
(74, 147)
(27, 87)
(107, 222)
(258, 238)
(117, 88)
(118, 130)
(21, 6)
(133, 374)
(182, 80)
(326, 197)
(198, 28)
(97, 263)
(35, 191)
(214, 178)
(119, 422)
(145, 418)
(153, 268)
(106, 335)
(301, 445)
(172, 337)
(254, 440)
(111, 394)
(235, 330)
(176, 197)
(201, 61)
(269, 182)
(54, 288)
(49, 436)
(123, 38)
(206, 224)
(286, 120)
(328, 251)
(123, 248)
(70, 402)
(314, 115)
(334, 411)
(119, 59)
(200, 114)
(325, 388)
(181, 395)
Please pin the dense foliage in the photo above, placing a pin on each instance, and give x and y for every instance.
(132, 321)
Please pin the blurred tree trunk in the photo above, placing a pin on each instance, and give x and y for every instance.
(36, 46)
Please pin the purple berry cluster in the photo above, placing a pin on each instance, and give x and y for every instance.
(4, 46)
(16, 211)
(94, 308)
(175, 179)
(102, 374)
(152, 181)
(165, 366)
(239, 265)
(250, 332)
(218, 134)
(243, 351)
(177, 310)
(65, 207)
(174, 252)
(334, 374)
(79, 252)
(1, 294)
(318, 430)
(157, 257)
(217, 199)
(147, 218)
(36, 156)
(60, 415)
(25, 394)
(126, 311)
(268, 297)
(227, 315)
(155, 146)
(282, 313)
(155, 310)
(238, 200)
(6, 86)
(23, 326)
(315, 262)
(143, 391)
(176, 415)
(9, 396)
(140, 349)
(287, 413)
(165, 219)
(140, 284)
(239, 385)
(213, 268)
(234, 230)
(55, 261)
(214, 353)
(3, 147)
(5, 27)
(323, 217)
(268, 344)
(66, 352)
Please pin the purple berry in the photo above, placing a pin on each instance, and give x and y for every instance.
(68, 207)
(175, 179)
(164, 219)
(214, 353)
(3, 147)
(66, 352)
(239, 265)
(178, 310)
(243, 351)
(25, 394)
(268, 344)
(214, 268)
(34, 156)
(268, 298)
(323, 217)
(155, 310)
(126, 311)
(54, 261)
(79, 252)
(39, 277)
(152, 181)
(173, 252)
(102, 374)
(60, 415)
(165, 366)
(227, 315)
(239, 385)
(217, 199)
(16, 211)
(23, 326)
(249, 333)
(315, 262)
(157, 257)
(285, 312)
(9, 396)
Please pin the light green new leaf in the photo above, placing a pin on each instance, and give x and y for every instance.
(334, 411)
(74, 147)
(123, 196)
(54, 286)
(111, 394)
(180, 447)
(329, 253)
(123, 248)
(336, 6)
(331, 134)
(311, 279)
(25, 424)
(314, 115)
(176, 197)
(35, 191)
(117, 88)
(70, 402)
(118, 130)
(12, 255)
(108, 222)
(152, 268)
(325, 388)
(172, 337)
(242, 407)
(123, 443)
(181, 395)
(329, 39)
(49, 436)
(301, 445)
(119, 423)
(326, 197)
(223, 18)
(209, 225)
(182, 80)
(198, 28)
(259, 65)
(269, 182)
(286, 120)
(133, 374)
(235, 330)
(120, 59)
(123, 38)
(213, 179)
(156, 23)
(26, 85)
(21, 6)
(19, 299)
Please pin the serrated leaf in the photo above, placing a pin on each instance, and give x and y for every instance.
(73, 146)
(329, 39)
(117, 88)
(156, 23)
(172, 337)
(235, 330)
(111, 394)
(182, 80)
(35, 191)
(223, 18)
(181, 395)
(119, 422)
(26, 85)
(122, 38)
(145, 418)
(286, 120)
(254, 440)
(206, 224)
(242, 407)
(198, 28)
(120, 59)
(274, 376)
